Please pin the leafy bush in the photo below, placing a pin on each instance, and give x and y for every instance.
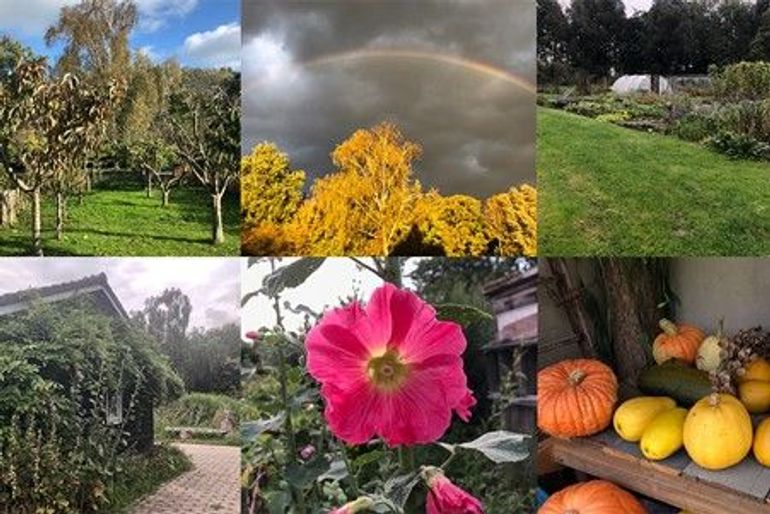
(60, 366)
(202, 410)
(695, 127)
(748, 118)
(739, 146)
(743, 81)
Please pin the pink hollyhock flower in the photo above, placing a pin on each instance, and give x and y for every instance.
(307, 452)
(389, 369)
(446, 498)
(253, 335)
(359, 504)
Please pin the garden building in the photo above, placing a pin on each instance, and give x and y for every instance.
(94, 292)
(512, 355)
(630, 84)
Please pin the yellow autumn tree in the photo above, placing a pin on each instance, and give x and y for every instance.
(267, 239)
(453, 223)
(368, 206)
(271, 191)
(512, 221)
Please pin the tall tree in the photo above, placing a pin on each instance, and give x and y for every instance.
(552, 39)
(760, 45)
(270, 190)
(95, 35)
(159, 160)
(166, 317)
(49, 126)
(596, 28)
(206, 131)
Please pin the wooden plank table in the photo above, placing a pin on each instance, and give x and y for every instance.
(677, 481)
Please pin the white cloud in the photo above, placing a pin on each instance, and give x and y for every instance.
(30, 17)
(149, 52)
(220, 47)
(33, 17)
(156, 13)
(265, 58)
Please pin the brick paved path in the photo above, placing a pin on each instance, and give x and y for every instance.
(211, 487)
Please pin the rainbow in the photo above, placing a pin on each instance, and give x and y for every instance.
(453, 60)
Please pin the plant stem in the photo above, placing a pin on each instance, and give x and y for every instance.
(349, 466)
(406, 459)
(290, 436)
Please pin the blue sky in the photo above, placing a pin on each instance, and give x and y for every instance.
(203, 33)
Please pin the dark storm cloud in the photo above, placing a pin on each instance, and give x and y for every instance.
(477, 130)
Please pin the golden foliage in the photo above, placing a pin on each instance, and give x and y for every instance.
(454, 223)
(512, 221)
(373, 205)
(367, 207)
(267, 239)
(270, 191)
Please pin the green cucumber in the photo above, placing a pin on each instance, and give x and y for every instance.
(684, 384)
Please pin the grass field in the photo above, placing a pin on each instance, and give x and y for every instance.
(607, 190)
(118, 219)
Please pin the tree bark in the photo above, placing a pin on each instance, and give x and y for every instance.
(166, 194)
(59, 215)
(37, 240)
(633, 298)
(217, 232)
(149, 185)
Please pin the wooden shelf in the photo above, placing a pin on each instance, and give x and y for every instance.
(676, 481)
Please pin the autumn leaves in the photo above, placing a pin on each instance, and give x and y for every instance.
(373, 204)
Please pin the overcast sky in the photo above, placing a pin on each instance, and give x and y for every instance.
(213, 284)
(337, 278)
(468, 105)
(200, 33)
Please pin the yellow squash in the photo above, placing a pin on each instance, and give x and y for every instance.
(633, 416)
(664, 436)
(718, 432)
(758, 369)
(755, 395)
(762, 443)
(709, 354)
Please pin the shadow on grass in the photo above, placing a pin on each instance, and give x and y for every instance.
(108, 233)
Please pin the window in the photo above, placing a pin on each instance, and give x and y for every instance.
(114, 409)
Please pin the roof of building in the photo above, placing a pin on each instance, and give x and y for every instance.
(95, 285)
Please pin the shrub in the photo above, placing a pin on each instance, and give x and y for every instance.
(512, 221)
(743, 81)
(695, 127)
(747, 118)
(202, 410)
(270, 190)
(614, 117)
(267, 239)
(60, 364)
(455, 223)
(739, 146)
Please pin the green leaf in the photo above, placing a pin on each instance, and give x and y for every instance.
(252, 429)
(337, 471)
(398, 489)
(501, 446)
(290, 276)
(277, 501)
(463, 314)
(303, 475)
(368, 458)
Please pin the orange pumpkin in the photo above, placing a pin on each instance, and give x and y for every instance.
(594, 497)
(678, 341)
(575, 397)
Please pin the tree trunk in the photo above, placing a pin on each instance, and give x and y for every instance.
(89, 179)
(633, 298)
(166, 194)
(149, 185)
(217, 232)
(37, 240)
(59, 215)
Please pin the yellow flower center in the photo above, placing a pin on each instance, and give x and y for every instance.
(386, 371)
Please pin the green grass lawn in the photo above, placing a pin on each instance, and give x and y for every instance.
(118, 219)
(607, 190)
